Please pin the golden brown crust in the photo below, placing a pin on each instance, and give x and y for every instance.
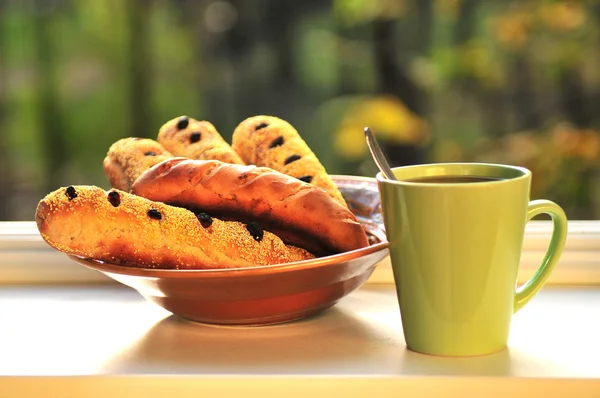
(299, 213)
(84, 220)
(272, 142)
(190, 138)
(129, 157)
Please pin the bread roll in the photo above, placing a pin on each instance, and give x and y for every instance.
(272, 142)
(129, 157)
(299, 213)
(122, 228)
(190, 138)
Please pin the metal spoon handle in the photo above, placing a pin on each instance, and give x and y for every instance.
(378, 155)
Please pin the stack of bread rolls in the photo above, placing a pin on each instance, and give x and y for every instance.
(189, 200)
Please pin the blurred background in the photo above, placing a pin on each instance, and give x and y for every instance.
(512, 81)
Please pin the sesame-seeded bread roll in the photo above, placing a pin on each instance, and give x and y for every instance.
(190, 138)
(272, 142)
(122, 228)
(129, 157)
(299, 213)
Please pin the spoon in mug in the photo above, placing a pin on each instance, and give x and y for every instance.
(378, 155)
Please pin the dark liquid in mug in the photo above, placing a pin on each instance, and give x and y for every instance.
(449, 179)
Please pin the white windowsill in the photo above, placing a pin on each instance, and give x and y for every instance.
(77, 339)
(106, 340)
(26, 259)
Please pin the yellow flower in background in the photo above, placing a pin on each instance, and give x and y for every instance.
(512, 30)
(563, 16)
(388, 118)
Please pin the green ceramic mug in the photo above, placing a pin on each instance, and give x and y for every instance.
(456, 234)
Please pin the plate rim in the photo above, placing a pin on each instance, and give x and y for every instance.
(228, 272)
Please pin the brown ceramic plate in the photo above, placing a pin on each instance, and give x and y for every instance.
(265, 294)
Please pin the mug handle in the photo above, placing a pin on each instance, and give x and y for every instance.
(529, 289)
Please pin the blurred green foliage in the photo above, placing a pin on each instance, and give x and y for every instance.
(511, 81)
